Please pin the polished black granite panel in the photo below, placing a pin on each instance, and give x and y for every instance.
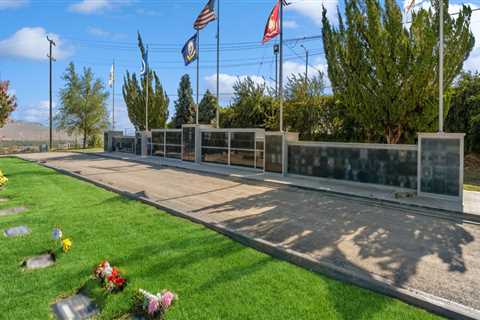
(379, 166)
(173, 152)
(273, 153)
(260, 154)
(158, 137)
(242, 140)
(215, 139)
(440, 166)
(188, 145)
(158, 150)
(243, 158)
(215, 155)
(123, 144)
(174, 137)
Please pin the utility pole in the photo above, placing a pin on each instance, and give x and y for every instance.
(51, 59)
(113, 95)
(198, 76)
(280, 89)
(440, 76)
(276, 49)
(306, 62)
(218, 65)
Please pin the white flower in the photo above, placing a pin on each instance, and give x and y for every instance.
(57, 234)
(107, 270)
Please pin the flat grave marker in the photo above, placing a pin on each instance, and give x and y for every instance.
(11, 211)
(16, 231)
(76, 307)
(40, 262)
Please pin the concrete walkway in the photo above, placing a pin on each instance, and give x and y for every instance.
(470, 207)
(418, 252)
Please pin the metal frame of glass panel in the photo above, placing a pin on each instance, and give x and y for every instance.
(258, 136)
(167, 145)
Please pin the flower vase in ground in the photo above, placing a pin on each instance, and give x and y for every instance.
(153, 306)
(109, 277)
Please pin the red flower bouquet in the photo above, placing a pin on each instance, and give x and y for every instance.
(109, 277)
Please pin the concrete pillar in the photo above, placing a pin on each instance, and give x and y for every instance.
(145, 136)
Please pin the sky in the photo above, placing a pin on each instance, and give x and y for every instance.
(94, 33)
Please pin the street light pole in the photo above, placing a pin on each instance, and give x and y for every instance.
(440, 76)
(51, 59)
(306, 62)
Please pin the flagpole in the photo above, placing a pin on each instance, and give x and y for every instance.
(218, 64)
(280, 89)
(146, 90)
(113, 96)
(440, 76)
(198, 75)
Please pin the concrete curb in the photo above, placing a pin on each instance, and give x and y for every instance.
(456, 216)
(437, 305)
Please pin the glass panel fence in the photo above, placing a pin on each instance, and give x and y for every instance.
(243, 158)
(214, 155)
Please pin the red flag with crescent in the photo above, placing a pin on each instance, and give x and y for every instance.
(272, 29)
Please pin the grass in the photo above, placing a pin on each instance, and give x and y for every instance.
(472, 179)
(215, 277)
(87, 150)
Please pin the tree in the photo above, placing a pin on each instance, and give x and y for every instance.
(207, 108)
(82, 105)
(134, 93)
(464, 113)
(8, 102)
(253, 106)
(386, 73)
(184, 105)
(309, 111)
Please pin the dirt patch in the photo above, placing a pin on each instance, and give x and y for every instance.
(472, 162)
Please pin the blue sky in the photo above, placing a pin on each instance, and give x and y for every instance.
(94, 32)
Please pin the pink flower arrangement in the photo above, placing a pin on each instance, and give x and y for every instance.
(153, 306)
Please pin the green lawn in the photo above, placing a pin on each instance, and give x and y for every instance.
(472, 180)
(215, 277)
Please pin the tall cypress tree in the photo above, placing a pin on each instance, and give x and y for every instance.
(134, 94)
(385, 72)
(8, 102)
(184, 105)
(207, 108)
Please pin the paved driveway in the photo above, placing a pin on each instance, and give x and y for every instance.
(433, 255)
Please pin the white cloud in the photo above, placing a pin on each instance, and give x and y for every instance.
(313, 9)
(473, 62)
(12, 4)
(101, 33)
(31, 43)
(97, 6)
(89, 6)
(227, 81)
(38, 113)
(290, 24)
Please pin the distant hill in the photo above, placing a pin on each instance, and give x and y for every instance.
(31, 131)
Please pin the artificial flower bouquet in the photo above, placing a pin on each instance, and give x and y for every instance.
(109, 277)
(57, 237)
(153, 306)
(3, 179)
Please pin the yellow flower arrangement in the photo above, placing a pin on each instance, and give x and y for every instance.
(3, 179)
(66, 245)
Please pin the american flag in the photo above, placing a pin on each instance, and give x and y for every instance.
(207, 15)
